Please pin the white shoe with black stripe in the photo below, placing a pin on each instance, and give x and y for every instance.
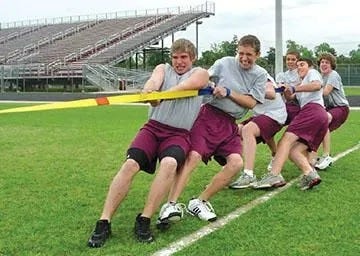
(202, 209)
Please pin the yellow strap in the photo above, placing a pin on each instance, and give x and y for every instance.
(139, 97)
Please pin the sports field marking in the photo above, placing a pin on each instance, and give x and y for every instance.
(208, 229)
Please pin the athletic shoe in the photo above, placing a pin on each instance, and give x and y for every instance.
(202, 209)
(142, 229)
(269, 167)
(169, 212)
(100, 234)
(270, 180)
(310, 180)
(172, 211)
(244, 181)
(323, 162)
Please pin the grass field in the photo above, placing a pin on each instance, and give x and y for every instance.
(55, 168)
(352, 90)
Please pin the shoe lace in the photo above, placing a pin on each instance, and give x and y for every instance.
(180, 206)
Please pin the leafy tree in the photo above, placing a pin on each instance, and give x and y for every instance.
(225, 48)
(271, 56)
(324, 47)
(304, 51)
(157, 57)
(355, 55)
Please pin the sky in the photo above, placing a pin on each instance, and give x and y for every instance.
(307, 22)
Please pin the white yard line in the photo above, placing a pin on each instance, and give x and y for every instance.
(208, 229)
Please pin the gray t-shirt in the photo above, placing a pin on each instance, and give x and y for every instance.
(179, 113)
(337, 97)
(313, 97)
(290, 77)
(231, 75)
(275, 109)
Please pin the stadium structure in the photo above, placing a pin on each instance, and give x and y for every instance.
(83, 50)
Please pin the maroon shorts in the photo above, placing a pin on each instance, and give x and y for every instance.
(292, 110)
(154, 137)
(215, 133)
(268, 127)
(310, 125)
(339, 116)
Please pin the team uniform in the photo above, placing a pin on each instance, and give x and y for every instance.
(269, 116)
(310, 124)
(338, 107)
(166, 133)
(290, 77)
(336, 103)
(215, 132)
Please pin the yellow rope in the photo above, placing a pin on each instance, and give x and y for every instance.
(129, 98)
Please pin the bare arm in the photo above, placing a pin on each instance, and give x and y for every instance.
(244, 100)
(270, 91)
(156, 79)
(311, 87)
(197, 80)
(328, 89)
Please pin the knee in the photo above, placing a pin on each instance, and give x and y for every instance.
(169, 163)
(234, 162)
(249, 130)
(193, 157)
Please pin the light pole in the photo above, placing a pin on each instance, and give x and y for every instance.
(199, 22)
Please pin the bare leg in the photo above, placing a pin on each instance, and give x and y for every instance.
(160, 186)
(299, 155)
(283, 149)
(272, 146)
(326, 143)
(223, 178)
(119, 188)
(250, 131)
(183, 176)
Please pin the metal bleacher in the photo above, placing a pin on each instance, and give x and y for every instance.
(84, 47)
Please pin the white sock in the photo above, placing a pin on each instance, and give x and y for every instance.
(249, 172)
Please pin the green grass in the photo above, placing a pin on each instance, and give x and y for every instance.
(56, 167)
(352, 90)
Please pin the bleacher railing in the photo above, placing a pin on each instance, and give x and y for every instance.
(208, 6)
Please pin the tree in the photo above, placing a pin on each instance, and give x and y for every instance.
(324, 47)
(225, 48)
(304, 51)
(355, 55)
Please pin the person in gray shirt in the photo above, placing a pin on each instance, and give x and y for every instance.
(268, 118)
(304, 133)
(239, 87)
(164, 138)
(337, 106)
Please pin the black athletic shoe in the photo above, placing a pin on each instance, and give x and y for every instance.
(142, 229)
(163, 224)
(100, 234)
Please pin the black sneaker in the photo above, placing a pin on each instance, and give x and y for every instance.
(142, 229)
(162, 224)
(100, 234)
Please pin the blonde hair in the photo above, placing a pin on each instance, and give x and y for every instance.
(184, 45)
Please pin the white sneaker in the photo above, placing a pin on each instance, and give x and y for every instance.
(269, 167)
(324, 162)
(203, 210)
(171, 211)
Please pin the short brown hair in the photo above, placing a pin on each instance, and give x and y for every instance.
(307, 60)
(293, 52)
(328, 56)
(250, 40)
(184, 45)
